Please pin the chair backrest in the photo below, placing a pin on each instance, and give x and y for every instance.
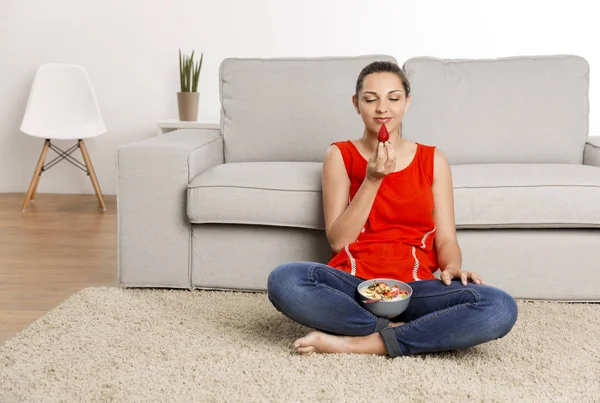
(62, 104)
(288, 109)
(508, 110)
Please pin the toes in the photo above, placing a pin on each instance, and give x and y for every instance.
(301, 343)
(305, 350)
(306, 345)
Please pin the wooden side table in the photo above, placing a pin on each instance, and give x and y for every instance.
(165, 126)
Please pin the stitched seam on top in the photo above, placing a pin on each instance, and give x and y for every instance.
(427, 234)
(352, 260)
(416, 265)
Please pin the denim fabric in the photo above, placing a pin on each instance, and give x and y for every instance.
(438, 318)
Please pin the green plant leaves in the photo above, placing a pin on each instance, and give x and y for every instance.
(189, 72)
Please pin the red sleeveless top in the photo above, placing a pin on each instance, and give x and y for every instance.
(397, 239)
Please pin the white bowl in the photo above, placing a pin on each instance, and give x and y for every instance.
(386, 309)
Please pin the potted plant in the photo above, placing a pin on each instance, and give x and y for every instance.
(187, 99)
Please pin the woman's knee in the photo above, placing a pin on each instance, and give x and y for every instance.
(283, 279)
(502, 311)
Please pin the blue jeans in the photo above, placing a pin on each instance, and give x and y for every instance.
(439, 317)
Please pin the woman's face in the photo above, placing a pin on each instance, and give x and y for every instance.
(382, 99)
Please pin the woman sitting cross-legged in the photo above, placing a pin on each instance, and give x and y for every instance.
(389, 213)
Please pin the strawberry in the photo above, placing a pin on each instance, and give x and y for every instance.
(383, 135)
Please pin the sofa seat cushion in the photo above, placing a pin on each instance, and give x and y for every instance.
(284, 194)
(526, 195)
(289, 194)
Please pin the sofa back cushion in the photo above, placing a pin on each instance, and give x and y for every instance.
(288, 109)
(507, 110)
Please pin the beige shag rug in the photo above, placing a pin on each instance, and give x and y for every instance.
(111, 344)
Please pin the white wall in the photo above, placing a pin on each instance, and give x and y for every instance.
(130, 51)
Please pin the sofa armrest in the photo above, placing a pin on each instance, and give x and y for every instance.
(154, 234)
(591, 152)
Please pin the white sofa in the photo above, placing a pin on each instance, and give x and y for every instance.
(219, 209)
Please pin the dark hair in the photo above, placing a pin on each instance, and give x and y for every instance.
(382, 67)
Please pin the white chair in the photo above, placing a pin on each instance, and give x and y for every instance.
(62, 105)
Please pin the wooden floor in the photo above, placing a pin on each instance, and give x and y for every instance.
(60, 245)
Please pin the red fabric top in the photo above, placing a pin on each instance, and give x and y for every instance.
(397, 239)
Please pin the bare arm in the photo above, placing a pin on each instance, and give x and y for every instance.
(448, 252)
(446, 244)
(343, 222)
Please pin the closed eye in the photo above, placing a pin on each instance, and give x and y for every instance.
(373, 100)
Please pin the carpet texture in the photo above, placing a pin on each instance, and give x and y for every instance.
(113, 344)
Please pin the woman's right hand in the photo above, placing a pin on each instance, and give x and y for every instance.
(382, 162)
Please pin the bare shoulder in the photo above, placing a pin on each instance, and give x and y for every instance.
(439, 156)
(333, 164)
(440, 163)
(335, 186)
(333, 154)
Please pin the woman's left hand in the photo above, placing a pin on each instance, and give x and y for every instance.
(450, 272)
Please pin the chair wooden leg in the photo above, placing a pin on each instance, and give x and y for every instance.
(36, 175)
(37, 182)
(92, 174)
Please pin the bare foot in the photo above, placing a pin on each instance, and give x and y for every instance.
(319, 342)
(392, 324)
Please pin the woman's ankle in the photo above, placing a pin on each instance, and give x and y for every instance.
(371, 344)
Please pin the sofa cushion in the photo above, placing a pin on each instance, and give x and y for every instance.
(526, 195)
(304, 104)
(263, 193)
(486, 195)
(507, 110)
